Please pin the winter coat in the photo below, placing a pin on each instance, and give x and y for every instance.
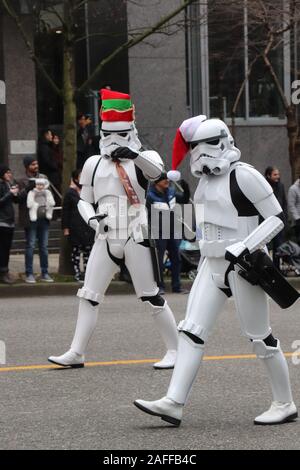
(294, 201)
(279, 192)
(166, 201)
(26, 184)
(7, 212)
(47, 162)
(80, 232)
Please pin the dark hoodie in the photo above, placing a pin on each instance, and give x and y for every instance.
(7, 213)
(279, 191)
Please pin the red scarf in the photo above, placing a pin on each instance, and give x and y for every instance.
(124, 178)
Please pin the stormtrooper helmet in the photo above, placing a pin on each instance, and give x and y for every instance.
(118, 134)
(118, 129)
(212, 149)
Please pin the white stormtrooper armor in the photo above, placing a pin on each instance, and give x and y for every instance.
(212, 149)
(118, 134)
(119, 238)
(229, 198)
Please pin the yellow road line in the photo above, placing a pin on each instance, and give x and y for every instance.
(132, 361)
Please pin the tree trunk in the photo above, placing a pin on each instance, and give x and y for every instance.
(70, 140)
(70, 130)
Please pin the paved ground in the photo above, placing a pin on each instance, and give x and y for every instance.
(91, 408)
(17, 263)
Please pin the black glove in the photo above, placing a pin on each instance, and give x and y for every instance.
(297, 222)
(30, 185)
(186, 191)
(123, 152)
(184, 185)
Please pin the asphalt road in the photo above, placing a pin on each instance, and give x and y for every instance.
(91, 408)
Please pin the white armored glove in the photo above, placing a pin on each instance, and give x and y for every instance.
(233, 252)
(257, 239)
(98, 224)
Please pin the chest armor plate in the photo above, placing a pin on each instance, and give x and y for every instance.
(107, 182)
(213, 202)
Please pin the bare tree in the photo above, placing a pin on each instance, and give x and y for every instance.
(268, 23)
(68, 92)
(65, 17)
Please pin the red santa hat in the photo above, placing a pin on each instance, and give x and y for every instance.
(184, 136)
(116, 106)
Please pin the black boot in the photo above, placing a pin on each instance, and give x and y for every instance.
(6, 278)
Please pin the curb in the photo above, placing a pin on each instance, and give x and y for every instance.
(70, 288)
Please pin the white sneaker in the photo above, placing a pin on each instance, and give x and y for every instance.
(166, 408)
(46, 278)
(168, 361)
(278, 413)
(30, 279)
(69, 359)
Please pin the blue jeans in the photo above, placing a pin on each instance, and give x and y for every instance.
(37, 230)
(172, 246)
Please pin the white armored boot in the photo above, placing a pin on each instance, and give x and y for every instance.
(170, 407)
(282, 409)
(166, 325)
(69, 359)
(86, 322)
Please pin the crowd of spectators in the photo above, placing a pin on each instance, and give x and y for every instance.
(38, 192)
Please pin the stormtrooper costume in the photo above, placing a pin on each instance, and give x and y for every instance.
(228, 200)
(115, 183)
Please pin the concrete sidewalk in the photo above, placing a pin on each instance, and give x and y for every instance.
(17, 263)
(68, 287)
(62, 287)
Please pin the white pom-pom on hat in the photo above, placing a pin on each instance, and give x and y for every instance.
(174, 175)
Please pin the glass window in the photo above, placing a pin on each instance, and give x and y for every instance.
(226, 57)
(232, 34)
(264, 100)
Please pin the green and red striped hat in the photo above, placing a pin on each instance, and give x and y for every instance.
(116, 106)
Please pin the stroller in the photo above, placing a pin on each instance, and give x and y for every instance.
(289, 255)
(189, 256)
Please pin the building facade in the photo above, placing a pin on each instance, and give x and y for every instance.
(27, 103)
(199, 69)
(196, 64)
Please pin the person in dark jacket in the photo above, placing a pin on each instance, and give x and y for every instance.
(58, 154)
(294, 207)
(272, 175)
(38, 230)
(80, 235)
(46, 158)
(85, 147)
(8, 195)
(163, 197)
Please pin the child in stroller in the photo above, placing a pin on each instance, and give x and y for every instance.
(288, 254)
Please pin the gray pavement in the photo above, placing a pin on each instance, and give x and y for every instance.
(91, 408)
(17, 263)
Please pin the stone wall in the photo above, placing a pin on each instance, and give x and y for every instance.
(157, 76)
(20, 122)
